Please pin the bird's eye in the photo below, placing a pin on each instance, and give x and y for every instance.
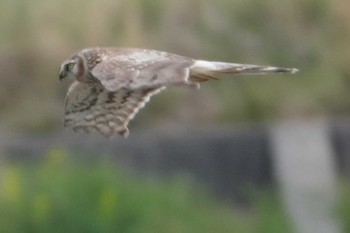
(69, 66)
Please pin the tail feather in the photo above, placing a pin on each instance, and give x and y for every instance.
(207, 70)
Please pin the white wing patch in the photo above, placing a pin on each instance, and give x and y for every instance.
(92, 108)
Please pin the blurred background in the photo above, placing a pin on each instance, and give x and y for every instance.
(243, 154)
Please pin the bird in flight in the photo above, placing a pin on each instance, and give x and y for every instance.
(112, 84)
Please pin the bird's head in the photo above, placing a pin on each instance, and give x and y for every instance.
(72, 67)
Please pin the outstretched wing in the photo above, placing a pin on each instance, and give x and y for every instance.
(138, 68)
(91, 108)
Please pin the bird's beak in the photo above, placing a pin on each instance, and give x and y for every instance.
(62, 75)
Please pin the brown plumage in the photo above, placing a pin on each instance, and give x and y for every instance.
(112, 84)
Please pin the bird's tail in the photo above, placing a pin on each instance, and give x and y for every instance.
(206, 70)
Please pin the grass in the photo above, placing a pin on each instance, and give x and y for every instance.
(61, 194)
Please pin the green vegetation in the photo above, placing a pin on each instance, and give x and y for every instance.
(312, 35)
(62, 194)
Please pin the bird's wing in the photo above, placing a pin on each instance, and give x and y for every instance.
(137, 68)
(91, 108)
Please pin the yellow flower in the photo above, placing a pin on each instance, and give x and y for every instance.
(107, 203)
(11, 184)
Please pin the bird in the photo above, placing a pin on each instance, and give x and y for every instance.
(112, 84)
